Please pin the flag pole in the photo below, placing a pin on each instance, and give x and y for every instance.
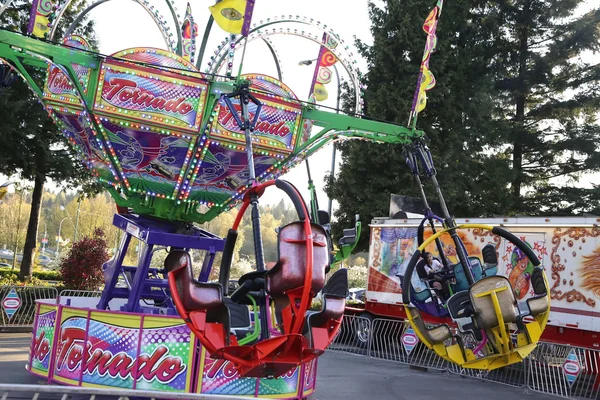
(245, 31)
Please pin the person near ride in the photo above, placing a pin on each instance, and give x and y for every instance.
(436, 273)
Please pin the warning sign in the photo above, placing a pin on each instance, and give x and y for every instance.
(409, 340)
(572, 367)
(11, 303)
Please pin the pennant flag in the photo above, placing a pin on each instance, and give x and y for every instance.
(39, 19)
(233, 16)
(189, 33)
(322, 75)
(426, 80)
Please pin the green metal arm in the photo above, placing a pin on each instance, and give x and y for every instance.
(346, 249)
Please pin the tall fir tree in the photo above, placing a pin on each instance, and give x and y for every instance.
(548, 98)
(457, 120)
(30, 144)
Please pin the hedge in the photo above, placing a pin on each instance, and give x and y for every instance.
(43, 275)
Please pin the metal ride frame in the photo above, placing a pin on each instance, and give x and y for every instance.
(25, 52)
(177, 211)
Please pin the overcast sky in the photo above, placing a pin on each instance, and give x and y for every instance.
(116, 32)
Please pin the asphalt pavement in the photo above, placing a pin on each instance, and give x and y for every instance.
(340, 377)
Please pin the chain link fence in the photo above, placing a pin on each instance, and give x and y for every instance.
(554, 369)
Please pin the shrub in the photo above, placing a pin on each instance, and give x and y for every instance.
(47, 275)
(12, 279)
(42, 275)
(357, 276)
(81, 269)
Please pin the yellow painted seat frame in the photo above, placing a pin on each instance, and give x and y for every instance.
(508, 352)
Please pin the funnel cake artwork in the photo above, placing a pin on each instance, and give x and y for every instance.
(569, 246)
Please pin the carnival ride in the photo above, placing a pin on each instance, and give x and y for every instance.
(175, 146)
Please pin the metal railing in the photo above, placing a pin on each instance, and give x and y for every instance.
(353, 336)
(80, 293)
(17, 304)
(565, 371)
(555, 369)
(394, 340)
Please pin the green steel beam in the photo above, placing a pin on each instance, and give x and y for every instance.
(17, 42)
(341, 122)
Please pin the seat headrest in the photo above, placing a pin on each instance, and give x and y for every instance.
(421, 269)
(489, 254)
(337, 285)
(537, 281)
(177, 259)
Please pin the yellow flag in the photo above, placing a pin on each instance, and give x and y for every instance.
(3, 191)
(40, 27)
(427, 83)
(229, 14)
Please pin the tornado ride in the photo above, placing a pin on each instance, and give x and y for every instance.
(176, 147)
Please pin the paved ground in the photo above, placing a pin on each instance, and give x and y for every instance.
(346, 376)
(340, 377)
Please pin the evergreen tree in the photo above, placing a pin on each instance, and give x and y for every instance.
(548, 99)
(30, 144)
(457, 119)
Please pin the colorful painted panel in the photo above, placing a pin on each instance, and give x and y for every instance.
(39, 19)
(276, 127)
(155, 57)
(90, 146)
(151, 162)
(70, 346)
(221, 377)
(43, 341)
(224, 169)
(270, 85)
(391, 250)
(150, 96)
(82, 72)
(392, 247)
(59, 88)
(573, 256)
(112, 350)
(166, 344)
(515, 265)
(116, 350)
(285, 385)
(310, 377)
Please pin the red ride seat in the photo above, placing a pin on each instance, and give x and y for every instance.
(285, 281)
(202, 302)
(323, 326)
(202, 307)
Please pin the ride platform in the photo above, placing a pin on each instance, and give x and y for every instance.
(75, 344)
